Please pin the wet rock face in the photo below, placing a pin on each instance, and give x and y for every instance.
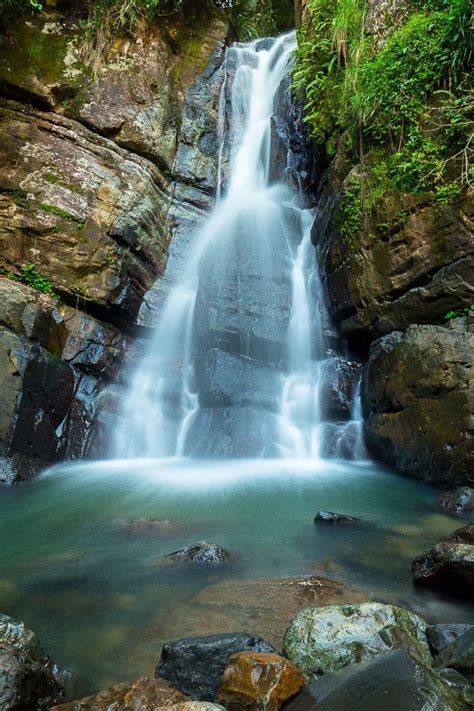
(393, 681)
(144, 694)
(418, 403)
(414, 273)
(329, 638)
(195, 664)
(257, 680)
(53, 362)
(27, 678)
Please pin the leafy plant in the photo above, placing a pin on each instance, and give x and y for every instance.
(30, 276)
(459, 313)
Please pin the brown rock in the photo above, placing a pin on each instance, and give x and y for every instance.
(259, 681)
(265, 606)
(144, 694)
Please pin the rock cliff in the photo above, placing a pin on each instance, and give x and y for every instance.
(105, 163)
(396, 249)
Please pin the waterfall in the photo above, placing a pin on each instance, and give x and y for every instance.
(233, 368)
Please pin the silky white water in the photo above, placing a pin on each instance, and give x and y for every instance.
(249, 288)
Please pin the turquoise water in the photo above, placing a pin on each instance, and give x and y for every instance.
(72, 569)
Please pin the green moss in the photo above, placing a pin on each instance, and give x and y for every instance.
(41, 57)
(58, 211)
(62, 181)
(30, 276)
(410, 99)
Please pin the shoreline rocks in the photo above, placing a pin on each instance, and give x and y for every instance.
(448, 565)
(195, 664)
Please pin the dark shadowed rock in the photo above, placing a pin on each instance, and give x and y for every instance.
(459, 654)
(339, 379)
(141, 695)
(458, 501)
(439, 636)
(27, 675)
(200, 553)
(448, 565)
(195, 664)
(330, 517)
(393, 682)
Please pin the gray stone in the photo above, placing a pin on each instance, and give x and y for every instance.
(439, 636)
(392, 682)
(195, 665)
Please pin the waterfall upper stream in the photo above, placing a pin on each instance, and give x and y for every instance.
(235, 365)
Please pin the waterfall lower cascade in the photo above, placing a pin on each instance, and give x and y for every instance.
(238, 362)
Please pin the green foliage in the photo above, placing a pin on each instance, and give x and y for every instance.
(10, 7)
(58, 211)
(459, 313)
(30, 276)
(408, 97)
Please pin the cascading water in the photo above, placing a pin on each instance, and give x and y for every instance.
(234, 366)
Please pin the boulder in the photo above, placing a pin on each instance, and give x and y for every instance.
(195, 664)
(441, 635)
(200, 553)
(329, 638)
(449, 565)
(459, 654)
(259, 681)
(458, 501)
(143, 694)
(392, 682)
(27, 674)
(333, 518)
(418, 400)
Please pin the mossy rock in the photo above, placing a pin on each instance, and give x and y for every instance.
(329, 638)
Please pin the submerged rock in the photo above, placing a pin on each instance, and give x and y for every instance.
(392, 682)
(330, 517)
(259, 681)
(195, 664)
(440, 636)
(144, 694)
(201, 553)
(329, 638)
(264, 605)
(458, 501)
(447, 565)
(27, 674)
